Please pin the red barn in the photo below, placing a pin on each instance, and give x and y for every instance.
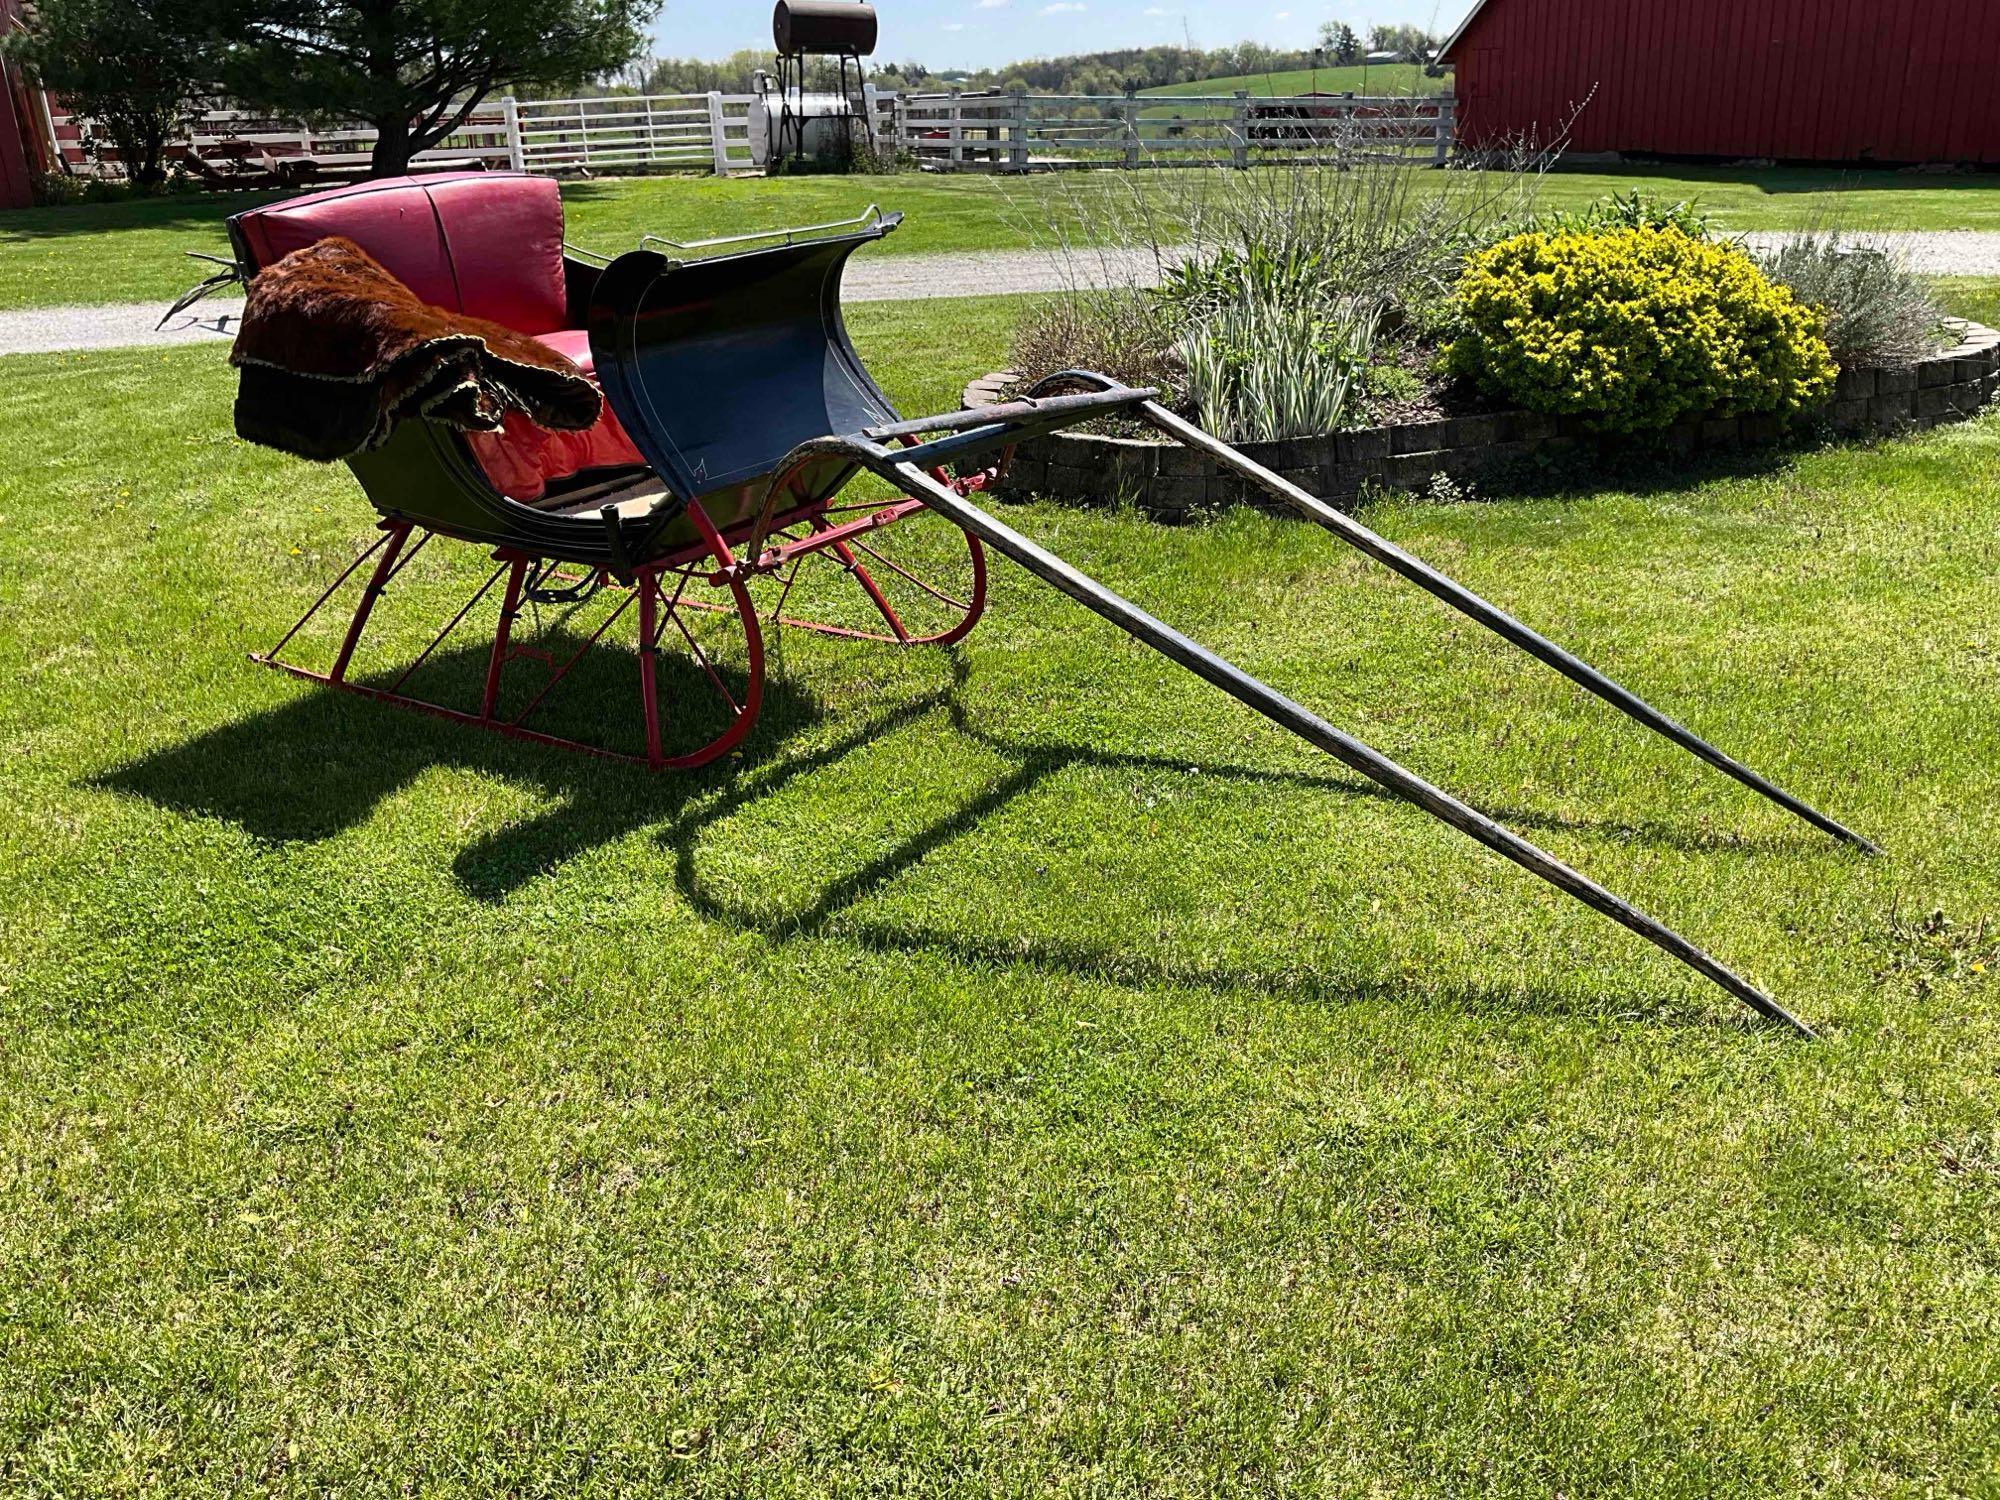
(20, 142)
(1891, 81)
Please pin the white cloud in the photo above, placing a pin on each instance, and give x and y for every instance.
(989, 4)
(1160, 10)
(954, 26)
(1062, 7)
(1282, 15)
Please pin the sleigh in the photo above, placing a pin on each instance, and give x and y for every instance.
(738, 418)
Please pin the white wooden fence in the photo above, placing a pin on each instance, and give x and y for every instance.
(1026, 132)
(225, 139)
(944, 132)
(700, 132)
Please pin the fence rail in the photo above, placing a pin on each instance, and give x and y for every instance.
(705, 132)
(225, 141)
(1028, 132)
(943, 132)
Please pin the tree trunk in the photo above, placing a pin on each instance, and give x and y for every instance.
(392, 148)
(392, 153)
(140, 136)
(143, 156)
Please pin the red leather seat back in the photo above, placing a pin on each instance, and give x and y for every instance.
(484, 243)
(506, 238)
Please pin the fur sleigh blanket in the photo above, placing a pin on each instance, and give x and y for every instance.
(333, 352)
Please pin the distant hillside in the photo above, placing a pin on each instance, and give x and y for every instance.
(1383, 78)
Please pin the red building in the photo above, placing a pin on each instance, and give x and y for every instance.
(21, 145)
(1891, 81)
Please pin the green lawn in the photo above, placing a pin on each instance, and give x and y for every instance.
(1384, 79)
(1022, 1071)
(1974, 297)
(135, 251)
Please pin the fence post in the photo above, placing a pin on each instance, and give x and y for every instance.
(955, 126)
(1017, 133)
(510, 118)
(717, 138)
(871, 104)
(1239, 151)
(1446, 112)
(1131, 114)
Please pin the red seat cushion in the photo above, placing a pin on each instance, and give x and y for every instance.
(488, 244)
(522, 460)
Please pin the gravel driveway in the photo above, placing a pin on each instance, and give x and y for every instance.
(884, 278)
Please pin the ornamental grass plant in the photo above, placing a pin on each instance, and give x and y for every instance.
(1877, 312)
(1257, 297)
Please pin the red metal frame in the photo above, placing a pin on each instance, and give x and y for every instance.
(780, 547)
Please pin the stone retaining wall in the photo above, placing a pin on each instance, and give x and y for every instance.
(1170, 482)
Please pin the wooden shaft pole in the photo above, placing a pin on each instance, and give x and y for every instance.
(1497, 620)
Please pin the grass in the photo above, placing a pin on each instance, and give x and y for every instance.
(135, 251)
(1021, 1071)
(1974, 297)
(1382, 79)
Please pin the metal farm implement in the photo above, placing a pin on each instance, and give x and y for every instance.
(738, 415)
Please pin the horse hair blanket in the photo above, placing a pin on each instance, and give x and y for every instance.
(333, 352)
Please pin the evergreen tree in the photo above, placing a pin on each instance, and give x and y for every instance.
(414, 69)
(1340, 42)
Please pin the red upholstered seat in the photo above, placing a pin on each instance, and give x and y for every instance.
(521, 460)
(488, 244)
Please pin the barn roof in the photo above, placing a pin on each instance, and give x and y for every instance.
(1444, 52)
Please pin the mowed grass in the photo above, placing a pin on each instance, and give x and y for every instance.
(1021, 1071)
(137, 252)
(1379, 79)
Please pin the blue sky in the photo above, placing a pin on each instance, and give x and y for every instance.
(976, 33)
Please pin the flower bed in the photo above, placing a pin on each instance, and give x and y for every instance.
(1170, 483)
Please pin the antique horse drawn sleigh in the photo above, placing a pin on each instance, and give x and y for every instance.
(737, 414)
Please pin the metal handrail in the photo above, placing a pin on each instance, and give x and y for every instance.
(869, 216)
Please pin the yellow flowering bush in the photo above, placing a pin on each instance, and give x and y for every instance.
(1635, 328)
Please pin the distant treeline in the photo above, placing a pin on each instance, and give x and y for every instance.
(1086, 73)
(1089, 73)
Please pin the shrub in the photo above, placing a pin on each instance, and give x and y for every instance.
(1633, 210)
(54, 189)
(1876, 312)
(1121, 332)
(1392, 232)
(137, 68)
(1635, 329)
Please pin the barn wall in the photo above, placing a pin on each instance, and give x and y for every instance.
(16, 189)
(1798, 80)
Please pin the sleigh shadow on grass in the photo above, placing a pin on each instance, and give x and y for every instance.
(1025, 770)
(323, 762)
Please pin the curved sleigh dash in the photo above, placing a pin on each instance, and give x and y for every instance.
(720, 367)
